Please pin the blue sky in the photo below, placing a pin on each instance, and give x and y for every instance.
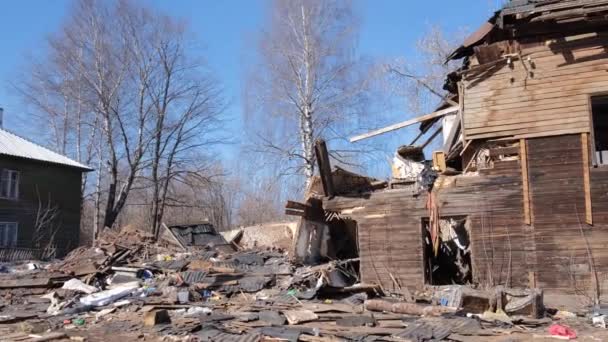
(226, 30)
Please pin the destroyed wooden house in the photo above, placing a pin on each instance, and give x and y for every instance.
(520, 194)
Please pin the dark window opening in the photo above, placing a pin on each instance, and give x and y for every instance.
(448, 260)
(342, 245)
(599, 109)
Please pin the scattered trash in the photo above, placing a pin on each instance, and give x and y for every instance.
(78, 321)
(599, 321)
(198, 310)
(257, 292)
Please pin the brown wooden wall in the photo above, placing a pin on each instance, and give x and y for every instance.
(63, 184)
(543, 93)
(561, 234)
(550, 253)
(390, 224)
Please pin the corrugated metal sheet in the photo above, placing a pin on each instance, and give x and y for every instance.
(16, 146)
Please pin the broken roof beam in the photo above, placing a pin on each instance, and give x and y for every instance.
(324, 168)
(406, 123)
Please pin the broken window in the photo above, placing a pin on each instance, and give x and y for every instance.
(447, 257)
(599, 108)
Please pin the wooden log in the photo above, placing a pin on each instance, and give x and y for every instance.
(406, 308)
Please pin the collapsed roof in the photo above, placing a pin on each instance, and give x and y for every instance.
(523, 19)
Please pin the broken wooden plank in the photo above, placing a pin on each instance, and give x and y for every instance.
(299, 316)
(523, 156)
(406, 308)
(439, 161)
(24, 282)
(406, 123)
(50, 337)
(295, 212)
(504, 151)
(324, 168)
(586, 178)
(296, 205)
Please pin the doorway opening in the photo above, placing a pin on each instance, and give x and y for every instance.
(447, 261)
(342, 244)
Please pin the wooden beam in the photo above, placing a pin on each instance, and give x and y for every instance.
(466, 146)
(461, 111)
(324, 168)
(294, 212)
(296, 205)
(432, 137)
(405, 124)
(523, 157)
(586, 178)
(418, 136)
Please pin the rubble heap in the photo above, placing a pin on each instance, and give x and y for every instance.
(128, 286)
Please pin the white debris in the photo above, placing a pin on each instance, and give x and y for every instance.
(106, 297)
(75, 284)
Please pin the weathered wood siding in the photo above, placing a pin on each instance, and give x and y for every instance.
(390, 228)
(561, 235)
(44, 181)
(543, 93)
(557, 252)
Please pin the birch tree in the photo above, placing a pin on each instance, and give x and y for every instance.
(306, 85)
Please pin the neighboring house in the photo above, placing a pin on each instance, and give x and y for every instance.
(523, 200)
(40, 196)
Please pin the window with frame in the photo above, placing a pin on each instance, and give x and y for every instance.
(9, 184)
(599, 112)
(8, 234)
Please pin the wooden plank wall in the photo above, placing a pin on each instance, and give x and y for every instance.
(543, 93)
(390, 237)
(551, 253)
(561, 234)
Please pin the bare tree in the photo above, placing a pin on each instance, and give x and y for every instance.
(120, 82)
(307, 84)
(58, 101)
(420, 80)
(185, 101)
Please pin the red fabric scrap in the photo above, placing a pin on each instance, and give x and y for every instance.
(562, 330)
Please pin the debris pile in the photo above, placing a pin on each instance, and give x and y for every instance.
(129, 286)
